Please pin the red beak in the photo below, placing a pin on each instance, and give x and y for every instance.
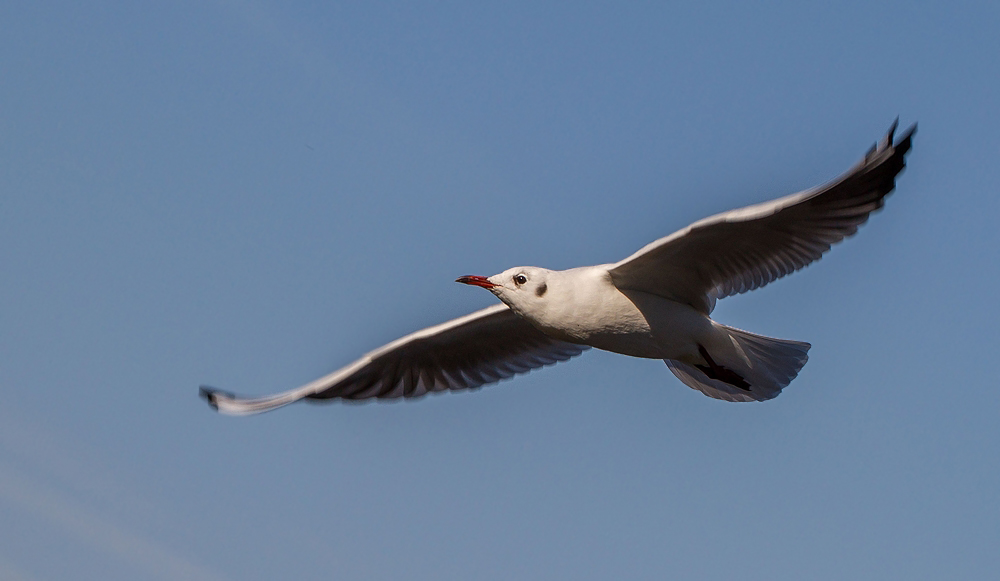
(476, 281)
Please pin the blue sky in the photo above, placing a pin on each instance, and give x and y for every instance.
(250, 194)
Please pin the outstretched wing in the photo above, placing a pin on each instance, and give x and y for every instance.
(746, 248)
(483, 347)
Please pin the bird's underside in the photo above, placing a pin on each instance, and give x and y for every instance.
(544, 318)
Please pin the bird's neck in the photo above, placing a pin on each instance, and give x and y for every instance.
(578, 303)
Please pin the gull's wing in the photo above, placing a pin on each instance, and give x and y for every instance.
(482, 347)
(744, 249)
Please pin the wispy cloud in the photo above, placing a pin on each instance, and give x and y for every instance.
(96, 530)
(50, 482)
(11, 572)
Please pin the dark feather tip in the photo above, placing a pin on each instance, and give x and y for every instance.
(209, 394)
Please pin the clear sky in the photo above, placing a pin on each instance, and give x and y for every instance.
(250, 194)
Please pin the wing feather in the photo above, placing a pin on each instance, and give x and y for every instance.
(481, 348)
(747, 248)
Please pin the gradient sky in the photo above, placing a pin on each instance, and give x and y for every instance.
(250, 194)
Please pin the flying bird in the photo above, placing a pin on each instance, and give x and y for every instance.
(654, 304)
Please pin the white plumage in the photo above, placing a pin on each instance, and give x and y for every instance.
(654, 304)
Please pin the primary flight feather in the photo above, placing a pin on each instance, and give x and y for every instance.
(653, 304)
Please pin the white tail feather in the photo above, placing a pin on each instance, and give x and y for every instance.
(767, 364)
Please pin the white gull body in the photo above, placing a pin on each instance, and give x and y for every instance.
(654, 304)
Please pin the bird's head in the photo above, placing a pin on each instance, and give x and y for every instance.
(523, 288)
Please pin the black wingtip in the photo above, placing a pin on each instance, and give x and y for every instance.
(902, 146)
(904, 138)
(888, 141)
(209, 394)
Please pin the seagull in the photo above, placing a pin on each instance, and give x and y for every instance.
(655, 304)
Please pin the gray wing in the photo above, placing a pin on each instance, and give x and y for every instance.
(482, 347)
(744, 249)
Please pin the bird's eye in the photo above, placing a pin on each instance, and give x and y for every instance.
(520, 279)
